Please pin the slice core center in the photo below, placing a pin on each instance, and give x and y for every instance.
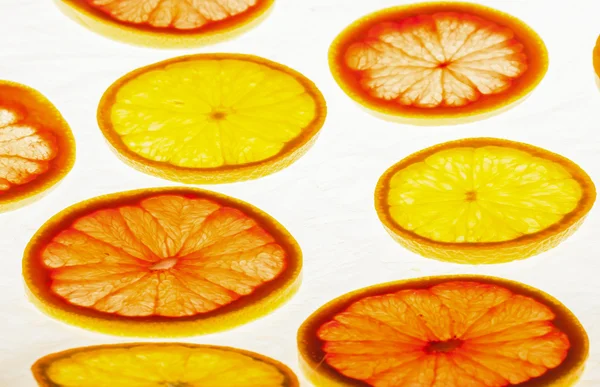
(165, 264)
(443, 346)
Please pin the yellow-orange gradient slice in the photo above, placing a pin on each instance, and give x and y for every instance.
(483, 200)
(453, 333)
(166, 23)
(596, 61)
(185, 254)
(160, 365)
(436, 60)
(212, 118)
(36, 145)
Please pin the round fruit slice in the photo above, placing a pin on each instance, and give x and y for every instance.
(438, 63)
(449, 331)
(37, 148)
(167, 23)
(161, 262)
(483, 200)
(160, 365)
(212, 118)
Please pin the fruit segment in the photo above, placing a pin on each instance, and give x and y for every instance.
(156, 365)
(36, 145)
(211, 118)
(184, 254)
(477, 332)
(166, 23)
(438, 60)
(478, 197)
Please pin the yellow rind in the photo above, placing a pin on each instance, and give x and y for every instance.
(424, 117)
(41, 364)
(492, 252)
(157, 39)
(311, 369)
(128, 328)
(9, 202)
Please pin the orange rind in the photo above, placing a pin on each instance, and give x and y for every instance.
(450, 331)
(161, 262)
(160, 365)
(37, 148)
(167, 23)
(438, 63)
(211, 118)
(483, 200)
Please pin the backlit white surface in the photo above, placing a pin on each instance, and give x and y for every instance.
(326, 198)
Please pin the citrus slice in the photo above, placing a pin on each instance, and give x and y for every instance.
(450, 331)
(161, 262)
(37, 148)
(160, 365)
(439, 62)
(212, 118)
(483, 200)
(167, 23)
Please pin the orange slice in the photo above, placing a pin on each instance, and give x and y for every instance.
(160, 365)
(483, 200)
(438, 63)
(37, 148)
(450, 331)
(161, 262)
(212, 118)
(167, 23)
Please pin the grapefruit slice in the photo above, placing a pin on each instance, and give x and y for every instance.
(438, 63)
(167, 23)
(160, 365)
(483, 200)
(212, 118)
(37, 148)
(161, 262)
(450, 331)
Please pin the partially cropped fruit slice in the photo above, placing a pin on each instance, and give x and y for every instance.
(596, 59)
(160, 365)
(449, 331)
(37, 148)
(212, 118)
(438, 63)
(161, 262)
(483, 200)
(166, 23)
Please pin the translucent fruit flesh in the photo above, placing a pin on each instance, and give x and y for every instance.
(161, 257)
(438, 60)
(482, 192)
(211, 118)
(37, 148)
(160, 365)
(450, 333)
(178, 14)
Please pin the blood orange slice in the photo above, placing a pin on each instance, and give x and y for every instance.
(160, 365)
(37, 148)
(483, 200)
(212, 118)
(438, 63)
(166, 23)
(161, 262)
(451, 331)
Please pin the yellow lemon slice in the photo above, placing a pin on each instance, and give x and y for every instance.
(483, 200)
(160, 365)
(212, 118)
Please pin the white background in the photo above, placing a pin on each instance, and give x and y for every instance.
(326, 198)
